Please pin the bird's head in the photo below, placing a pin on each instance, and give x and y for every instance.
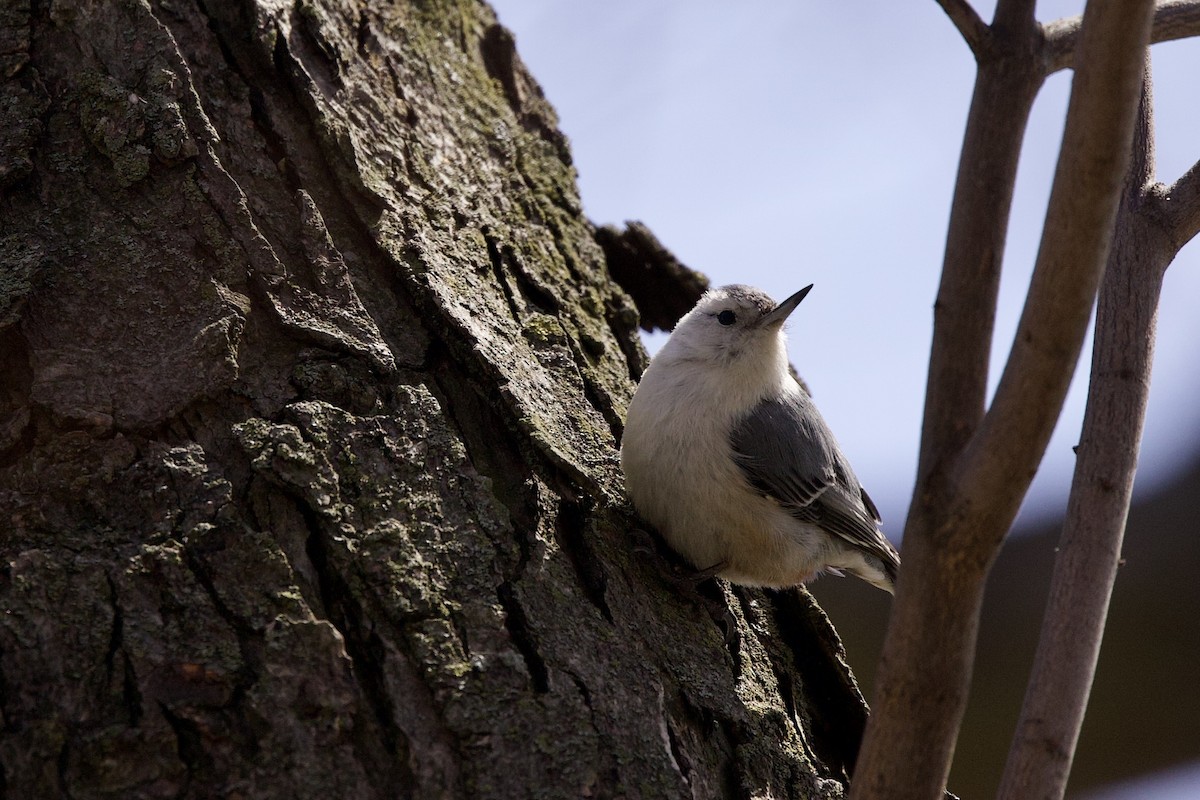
(733, 325)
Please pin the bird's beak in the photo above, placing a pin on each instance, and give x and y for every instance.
(778, 314)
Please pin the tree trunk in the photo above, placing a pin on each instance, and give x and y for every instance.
(312, 375)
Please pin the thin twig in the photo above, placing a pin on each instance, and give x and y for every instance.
(973, 29)
(1174, 20)
(1182, 205)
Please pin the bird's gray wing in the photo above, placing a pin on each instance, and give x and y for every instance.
(787, 452)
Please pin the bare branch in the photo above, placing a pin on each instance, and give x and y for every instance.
(964, 504)
(932, 631)
(1090, 548)
(964, 312)
(1173, 20)
(973, 29)
(1181, 203)
(1142, 155)
(1005, 453)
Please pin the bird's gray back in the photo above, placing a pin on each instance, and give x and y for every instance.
(786, 451)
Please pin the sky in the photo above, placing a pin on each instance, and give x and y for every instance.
(781, 144)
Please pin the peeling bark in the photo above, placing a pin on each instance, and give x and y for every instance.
(312, 375)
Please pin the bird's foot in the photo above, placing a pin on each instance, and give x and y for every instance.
(689, 581)
(673, 569)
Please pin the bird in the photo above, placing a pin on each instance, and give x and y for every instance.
(726, 455)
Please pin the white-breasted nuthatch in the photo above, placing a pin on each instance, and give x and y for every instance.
(726, 454)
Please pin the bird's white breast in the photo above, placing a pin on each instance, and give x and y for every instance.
(682, 478)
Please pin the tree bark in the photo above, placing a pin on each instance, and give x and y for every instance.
(312, 374)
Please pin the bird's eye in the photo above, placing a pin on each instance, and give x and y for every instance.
(726, 318)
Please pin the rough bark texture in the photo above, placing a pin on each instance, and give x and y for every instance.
(311, 379)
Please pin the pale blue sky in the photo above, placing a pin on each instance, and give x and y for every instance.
(781, 144)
